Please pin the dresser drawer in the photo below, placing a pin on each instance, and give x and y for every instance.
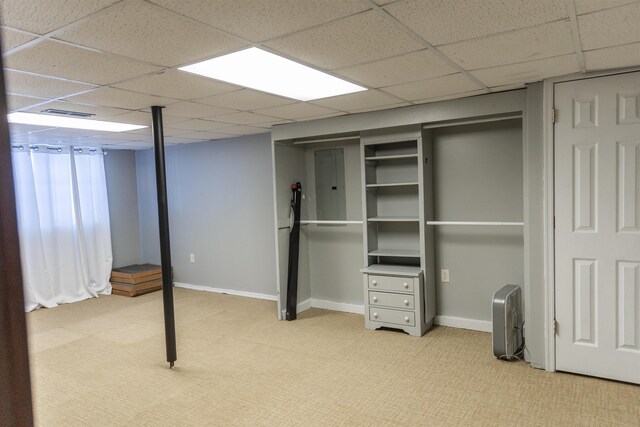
(387, 299)
(391, 283)
(397, 317)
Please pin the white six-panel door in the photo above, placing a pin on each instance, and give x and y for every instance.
(597, 235)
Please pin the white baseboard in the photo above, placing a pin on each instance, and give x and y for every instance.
(226, 291)
(304, 305)
(464, 323)
(454, 322)
(337, 306)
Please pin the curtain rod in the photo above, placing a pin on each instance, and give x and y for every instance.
(57, 149)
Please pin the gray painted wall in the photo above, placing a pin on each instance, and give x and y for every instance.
(120, 171)
(220, 209)
(335, 252)
(478, 176)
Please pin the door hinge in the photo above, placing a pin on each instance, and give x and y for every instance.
(554, 115)
(555, 327)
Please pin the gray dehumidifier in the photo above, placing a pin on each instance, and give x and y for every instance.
(506, 314)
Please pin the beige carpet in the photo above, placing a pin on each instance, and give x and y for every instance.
(101, 362)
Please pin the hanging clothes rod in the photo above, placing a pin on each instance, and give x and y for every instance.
(474, 223)
(313, 221)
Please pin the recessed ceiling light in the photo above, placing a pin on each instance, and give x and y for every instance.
(69, 122)
(258, 69)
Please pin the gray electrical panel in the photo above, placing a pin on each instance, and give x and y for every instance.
(330, 188)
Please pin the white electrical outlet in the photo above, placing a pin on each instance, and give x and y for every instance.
(192, 258)
(444, 276)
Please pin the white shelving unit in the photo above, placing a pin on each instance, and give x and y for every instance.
(398, 274)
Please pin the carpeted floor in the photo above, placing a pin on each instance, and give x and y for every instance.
(101, 362)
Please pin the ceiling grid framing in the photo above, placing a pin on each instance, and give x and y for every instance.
(575, 33)
(436, 58)
(426, 44)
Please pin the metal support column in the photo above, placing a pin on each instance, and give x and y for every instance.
(165, 249)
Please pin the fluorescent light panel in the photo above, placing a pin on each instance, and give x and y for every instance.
(258, 69)
(69, 122)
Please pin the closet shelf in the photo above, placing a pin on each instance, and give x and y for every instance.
(393, 219)
(498, 223)
(393, 184)
(391, 157)
(321, 222)
(396, 270)
(403, 253)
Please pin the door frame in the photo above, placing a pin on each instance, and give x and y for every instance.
(548, 101)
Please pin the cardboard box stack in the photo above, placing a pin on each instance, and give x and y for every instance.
(134, 280)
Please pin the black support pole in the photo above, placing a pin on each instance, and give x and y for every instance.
(165, 249)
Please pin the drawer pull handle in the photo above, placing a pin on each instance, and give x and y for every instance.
(374, 283)
(406, 319)
(375, 299)
(406, 285)
(375, 315)
(406, 302)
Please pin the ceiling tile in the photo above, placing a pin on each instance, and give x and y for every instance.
(111, 97)
(21, 83)
(194, 110)
(42, 17)
(259, 20)
(450, 96)
(610, 27)
(201, 136)
(149, 33)
(386, 107)
(30, 138)
(527, 72)
(144, 118)
(244, 130)
(60, 60)
(199, 125)
(176, 84)
(245, 99)
(411, 67)
(588, 6)
(99, 113)
(358, 100)
(12, 38)
(147, 133)
(613, 57)
(175, 140)
(516, 46)
(20, 129)
(357, 39)
(300, 110)
(17, 102)
(246, 118)
(433, 88)
(441, 22)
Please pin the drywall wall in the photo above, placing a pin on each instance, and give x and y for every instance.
(478, 176)
(220, 210)
(120, 171)
(335, 251)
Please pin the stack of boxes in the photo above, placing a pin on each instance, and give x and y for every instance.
(136, 279)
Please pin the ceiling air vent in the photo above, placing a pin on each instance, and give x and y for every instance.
(67, 113)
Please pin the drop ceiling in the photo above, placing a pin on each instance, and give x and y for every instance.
(116, 58)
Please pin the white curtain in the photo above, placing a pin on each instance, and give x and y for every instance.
(63, 224)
